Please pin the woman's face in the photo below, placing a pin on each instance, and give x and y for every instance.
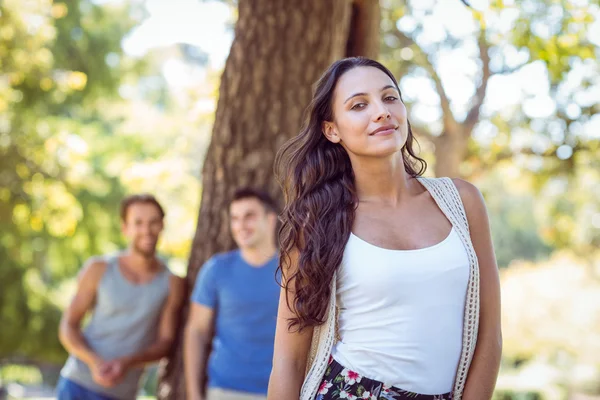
(369, 119)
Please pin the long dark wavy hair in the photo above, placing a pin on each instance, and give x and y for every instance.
(320, 200)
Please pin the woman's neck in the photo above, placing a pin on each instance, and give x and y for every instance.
(381, 180)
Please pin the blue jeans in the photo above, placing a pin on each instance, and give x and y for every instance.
(69, 390)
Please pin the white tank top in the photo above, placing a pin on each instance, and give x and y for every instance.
(401, 313)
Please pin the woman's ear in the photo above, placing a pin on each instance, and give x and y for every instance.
(330, 132)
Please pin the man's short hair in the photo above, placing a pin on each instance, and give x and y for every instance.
(262, 196)
(143, 198)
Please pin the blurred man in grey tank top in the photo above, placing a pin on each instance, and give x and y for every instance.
(134, 302)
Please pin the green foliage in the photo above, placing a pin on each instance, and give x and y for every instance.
(516, 395)
(20, 374)
(53, 155)
(547, 130)
(515, 228)
(80, 127)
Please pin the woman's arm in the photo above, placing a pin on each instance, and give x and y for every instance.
(291, 351)
(483, 372)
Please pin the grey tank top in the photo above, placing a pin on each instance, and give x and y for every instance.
(124, 321)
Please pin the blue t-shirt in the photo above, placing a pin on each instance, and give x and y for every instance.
(244, 299)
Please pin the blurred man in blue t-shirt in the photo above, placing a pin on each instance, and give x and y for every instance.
(234, 308)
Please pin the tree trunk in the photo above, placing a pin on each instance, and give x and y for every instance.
(450, 151)
(363, 39)
(279, 51)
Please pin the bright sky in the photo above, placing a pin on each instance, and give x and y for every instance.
(204, 24)
(196, 22)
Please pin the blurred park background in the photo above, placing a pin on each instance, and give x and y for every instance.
(102, 98)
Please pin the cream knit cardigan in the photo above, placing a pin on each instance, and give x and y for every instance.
(446, 195)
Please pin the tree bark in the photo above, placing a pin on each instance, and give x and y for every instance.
(450, 151)
(279, 51)
(363, 38)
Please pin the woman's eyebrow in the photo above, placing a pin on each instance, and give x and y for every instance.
(364, 94)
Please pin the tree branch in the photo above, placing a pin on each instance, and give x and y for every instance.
(511, 70)
(475, 111)
(422, 59)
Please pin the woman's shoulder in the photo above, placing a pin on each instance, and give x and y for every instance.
(472, 199)
(470, 195)
(466, 189)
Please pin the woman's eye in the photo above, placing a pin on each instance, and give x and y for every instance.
(358, 106)
(391, 98)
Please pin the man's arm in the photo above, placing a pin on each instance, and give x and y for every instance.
(69, 332)
(167, 329)
(199, 333)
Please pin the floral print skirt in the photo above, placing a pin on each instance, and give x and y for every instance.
(341, 383)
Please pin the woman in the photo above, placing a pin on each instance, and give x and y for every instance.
(382, 269)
